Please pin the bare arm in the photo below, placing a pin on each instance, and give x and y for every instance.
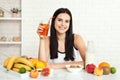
(43, 46)
(80, 45)
(41, 52)
(62, 65)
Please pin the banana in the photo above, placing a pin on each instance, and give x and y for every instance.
(6, 62)
(11, 62)
(24, 56)
(19, 65)
(15, 69)
(24, 61)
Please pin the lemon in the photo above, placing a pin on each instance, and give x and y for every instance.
(113, 70)
(22, 70)
(40, 64)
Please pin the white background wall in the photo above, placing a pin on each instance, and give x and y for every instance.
(97, 20)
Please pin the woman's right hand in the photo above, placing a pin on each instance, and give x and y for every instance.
(39, 30)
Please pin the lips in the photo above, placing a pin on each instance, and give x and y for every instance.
(62, 28)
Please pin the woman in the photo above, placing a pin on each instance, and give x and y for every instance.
(58, 48)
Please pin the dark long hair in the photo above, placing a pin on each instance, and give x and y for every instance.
(69, 40)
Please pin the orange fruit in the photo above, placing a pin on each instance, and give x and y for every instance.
(104, 64)
(40, 64)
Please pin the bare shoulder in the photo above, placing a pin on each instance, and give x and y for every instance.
(77, 37)
(80, 45)
(78, 40)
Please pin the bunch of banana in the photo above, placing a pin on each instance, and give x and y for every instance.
(16, 62)
(23, 62)
(9, 62)
(17, 67)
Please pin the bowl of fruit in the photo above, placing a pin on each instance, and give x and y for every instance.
(74, 68)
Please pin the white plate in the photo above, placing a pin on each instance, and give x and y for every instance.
(10, 72)
(40, 69)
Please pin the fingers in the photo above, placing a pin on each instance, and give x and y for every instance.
(40, 29)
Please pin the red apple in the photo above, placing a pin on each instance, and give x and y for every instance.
(90, 68)
(45, 71)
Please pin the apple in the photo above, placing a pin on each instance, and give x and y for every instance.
(45, 71)
(98, 71)
(34, 73)
(90, 68)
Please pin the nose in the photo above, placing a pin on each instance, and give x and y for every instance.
(63, 23)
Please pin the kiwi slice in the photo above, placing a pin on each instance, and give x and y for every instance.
(106, 70)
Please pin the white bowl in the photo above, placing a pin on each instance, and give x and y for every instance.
(74, 69)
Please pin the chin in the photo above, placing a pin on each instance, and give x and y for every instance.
(61, 32)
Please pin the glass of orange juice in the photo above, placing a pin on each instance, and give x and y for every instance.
(45, 27)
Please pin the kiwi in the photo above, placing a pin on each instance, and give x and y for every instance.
(106, 70)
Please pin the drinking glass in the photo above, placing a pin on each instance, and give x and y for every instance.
(45, 27)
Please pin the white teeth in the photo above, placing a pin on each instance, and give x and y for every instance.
(62, 28)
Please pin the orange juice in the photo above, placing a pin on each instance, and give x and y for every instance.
(45, 30)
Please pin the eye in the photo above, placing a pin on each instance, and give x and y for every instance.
(67, 21)
(59, 19)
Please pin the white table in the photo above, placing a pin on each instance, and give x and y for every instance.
(63, 74)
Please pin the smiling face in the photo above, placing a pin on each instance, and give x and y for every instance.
(62, 23)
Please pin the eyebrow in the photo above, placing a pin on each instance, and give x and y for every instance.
(61, 18)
